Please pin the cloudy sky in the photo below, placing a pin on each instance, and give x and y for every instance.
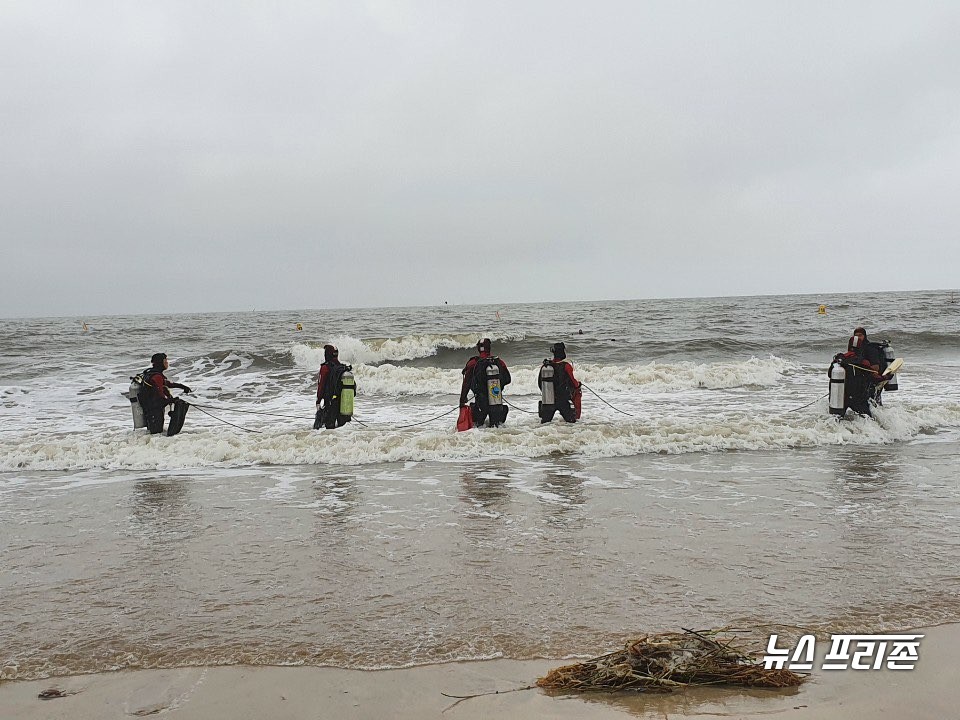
(193, 156)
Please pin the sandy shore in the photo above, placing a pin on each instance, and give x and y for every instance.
(929, 691)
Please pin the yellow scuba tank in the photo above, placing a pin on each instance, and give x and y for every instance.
(348, 390)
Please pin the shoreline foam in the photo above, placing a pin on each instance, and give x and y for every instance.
(928, 691)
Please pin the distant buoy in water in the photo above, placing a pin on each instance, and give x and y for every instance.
(822, 310)
(299, 327)
(84, 327)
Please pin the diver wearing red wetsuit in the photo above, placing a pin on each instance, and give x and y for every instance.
(475, 379)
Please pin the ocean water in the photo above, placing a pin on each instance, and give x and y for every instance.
(706, 485)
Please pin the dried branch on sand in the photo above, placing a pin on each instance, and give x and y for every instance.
(660, 663)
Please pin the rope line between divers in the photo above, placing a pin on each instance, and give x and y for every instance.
(225, 422)
(251, 412)
(403, 427)
(604, 401)
(529, 412)
(374, 426)
(809, 403)
(360, 422)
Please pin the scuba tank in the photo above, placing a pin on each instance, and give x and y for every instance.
(133, 395)
(838, 377)
(888, 357)
(546, 383)
(494, 391)
(348, 391)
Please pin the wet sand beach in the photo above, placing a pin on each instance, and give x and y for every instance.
(395, 565)
(930, 691)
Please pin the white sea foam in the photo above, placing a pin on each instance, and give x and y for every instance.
(354, 445)
(392, 380)
(662, 376)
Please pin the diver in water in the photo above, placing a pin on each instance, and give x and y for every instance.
(862, 374)
(486, 375)
(154, 397)
(559, 389)
(335, 391)
(872, 352)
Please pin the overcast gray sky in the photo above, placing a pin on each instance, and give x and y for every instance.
(192, 156)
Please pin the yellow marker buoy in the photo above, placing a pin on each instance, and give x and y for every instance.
(822, 310)
(299, 327)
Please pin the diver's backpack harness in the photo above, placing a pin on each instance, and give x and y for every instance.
(340, 388)
(561, 382)
(486, 382)
(147, 393)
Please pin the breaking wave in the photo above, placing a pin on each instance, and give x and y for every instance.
(373, 351)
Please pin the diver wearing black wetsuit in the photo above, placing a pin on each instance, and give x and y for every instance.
(155, 396)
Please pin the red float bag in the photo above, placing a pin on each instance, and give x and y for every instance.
(465, 421)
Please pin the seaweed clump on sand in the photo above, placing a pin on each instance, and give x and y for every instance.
(663, 662)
